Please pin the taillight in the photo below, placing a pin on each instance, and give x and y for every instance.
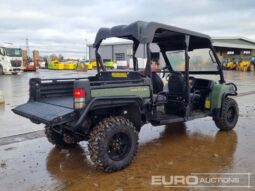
(79, 98)
(79, 93)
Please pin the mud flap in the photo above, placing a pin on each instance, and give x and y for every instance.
(48, 114)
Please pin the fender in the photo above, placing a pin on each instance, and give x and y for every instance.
(232, 92)
(111, 101)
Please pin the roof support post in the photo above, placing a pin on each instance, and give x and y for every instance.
(148, 64)
(186, 77)
(135, 47)
(222, 80)
(99, 60)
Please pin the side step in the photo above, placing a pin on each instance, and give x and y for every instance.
(164, 119)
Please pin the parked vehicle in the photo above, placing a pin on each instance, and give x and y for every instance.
(109, 64)
(110, 108)
(122, 65)
(83, 65)
(29, 66)
(56, 65)
(231, 64)
(42, 64)
(10, 59)
(70, 65)
(93, 64)
(246, 65)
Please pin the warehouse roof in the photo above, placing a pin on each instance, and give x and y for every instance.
(233, 42)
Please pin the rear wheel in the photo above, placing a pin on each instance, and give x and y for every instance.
(58, 139)
(113, 144)
(229, 115)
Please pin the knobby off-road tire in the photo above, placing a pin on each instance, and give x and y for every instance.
(113, 144)
(57, 139)
(229, 115)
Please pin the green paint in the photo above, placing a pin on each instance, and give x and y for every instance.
(109, 64)
(216, 95)
(141, 91)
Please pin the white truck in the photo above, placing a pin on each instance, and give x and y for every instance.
(10, 59)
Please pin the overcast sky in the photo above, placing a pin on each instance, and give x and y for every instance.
(61, 26)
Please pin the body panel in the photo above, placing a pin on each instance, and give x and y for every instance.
(141, 91)
(216, 95)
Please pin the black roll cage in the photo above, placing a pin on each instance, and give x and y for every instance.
(100, 65)
(167, 37)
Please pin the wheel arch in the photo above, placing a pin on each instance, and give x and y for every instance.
(219, 95)
(131, 107)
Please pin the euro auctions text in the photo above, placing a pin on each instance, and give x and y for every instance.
(238, 180)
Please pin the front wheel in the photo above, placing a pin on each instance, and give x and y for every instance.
(1, 70)
(113, 144)
(229, 115)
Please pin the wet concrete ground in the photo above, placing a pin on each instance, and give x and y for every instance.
(29, 162)
(16, 89)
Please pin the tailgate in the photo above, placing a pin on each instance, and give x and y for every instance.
(45, 113)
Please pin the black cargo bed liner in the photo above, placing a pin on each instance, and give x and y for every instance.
(59, 101)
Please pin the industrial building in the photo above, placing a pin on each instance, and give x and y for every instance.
(232, 47)
(226, 47)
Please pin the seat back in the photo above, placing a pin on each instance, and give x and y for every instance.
(157, 83)
(176, 92)
(176, 84)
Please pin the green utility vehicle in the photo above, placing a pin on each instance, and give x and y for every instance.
(109, 109)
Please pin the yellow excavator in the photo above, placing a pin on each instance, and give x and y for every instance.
(246, 65)
(230, 64)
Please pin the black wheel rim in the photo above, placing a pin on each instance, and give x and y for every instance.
(231, 114)
(119, 146)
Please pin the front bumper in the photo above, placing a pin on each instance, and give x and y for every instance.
(13, 70)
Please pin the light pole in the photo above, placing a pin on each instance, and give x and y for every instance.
(86, 52)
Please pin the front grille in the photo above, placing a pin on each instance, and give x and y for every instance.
(16, 63)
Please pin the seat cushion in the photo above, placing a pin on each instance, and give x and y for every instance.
(159, 99)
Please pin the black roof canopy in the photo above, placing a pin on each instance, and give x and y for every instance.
(166, 36)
